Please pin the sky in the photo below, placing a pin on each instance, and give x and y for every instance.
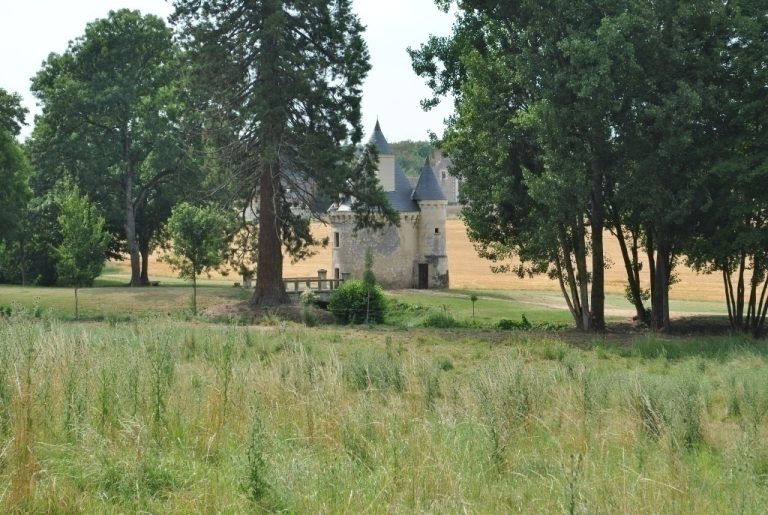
(32, 29)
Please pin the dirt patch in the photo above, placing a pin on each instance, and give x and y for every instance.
(257, 315)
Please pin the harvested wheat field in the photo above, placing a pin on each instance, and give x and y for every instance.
(468, 271)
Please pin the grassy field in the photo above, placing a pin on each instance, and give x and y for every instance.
(165, 416)
(173, 299)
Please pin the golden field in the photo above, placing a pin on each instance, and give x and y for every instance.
(468, 271)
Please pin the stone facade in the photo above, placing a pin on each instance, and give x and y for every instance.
(412, 255)
(448, 183)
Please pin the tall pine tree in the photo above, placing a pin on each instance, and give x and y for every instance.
(282, 80)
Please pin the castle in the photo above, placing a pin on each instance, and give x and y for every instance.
(412, 255)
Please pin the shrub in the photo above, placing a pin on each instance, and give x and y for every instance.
(357, 302)
(508, 325)
(441, 321)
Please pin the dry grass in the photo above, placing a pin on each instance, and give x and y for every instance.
(471, 272)
(173, 417)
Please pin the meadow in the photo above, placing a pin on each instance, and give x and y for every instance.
(168, 416)
(141, 407)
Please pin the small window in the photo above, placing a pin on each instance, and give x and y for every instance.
(437, 230)
(336, 273)
(336, 239)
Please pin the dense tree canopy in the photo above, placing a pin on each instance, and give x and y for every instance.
(582, 116)
(14, 168)
(283, 83)
(112, 119)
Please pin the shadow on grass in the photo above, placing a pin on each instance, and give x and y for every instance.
(708, 337)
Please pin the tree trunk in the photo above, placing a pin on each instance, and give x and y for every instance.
(728, 297)
(144, 251)
(574, 313)
(270, 290)
(580, 253)
(269, 272)
(631, 267)
(194, 293)
(130, 232)
(660, 295)
(23, 262)
(740, 292)
(567, 252)
(598, 259)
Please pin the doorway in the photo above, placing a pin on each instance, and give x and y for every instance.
(423, 276)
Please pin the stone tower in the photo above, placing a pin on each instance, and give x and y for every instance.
(412, 255)
(433, 256)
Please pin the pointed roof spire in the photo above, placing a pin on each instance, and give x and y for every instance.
(378, 139)
(428, 188)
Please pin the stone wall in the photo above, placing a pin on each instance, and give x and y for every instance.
(432, 242)
(394, 250)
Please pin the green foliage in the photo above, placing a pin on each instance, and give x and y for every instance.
(12, 113)
(199, 238)
(563, 118)
(441, 320)
(255, 483)
(411, 155)
(302, 66)
(113, 119)
(84, 241)
(506, 324)
(14, 177)
(368, 276)
(356, 302)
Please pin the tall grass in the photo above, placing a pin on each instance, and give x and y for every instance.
(178, 418)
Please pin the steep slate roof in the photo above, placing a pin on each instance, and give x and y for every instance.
(400, 199)
(428, 188)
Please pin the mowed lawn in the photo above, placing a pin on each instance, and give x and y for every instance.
(501, 296)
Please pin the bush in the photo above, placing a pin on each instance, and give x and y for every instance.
(441, 321)
(357, 302)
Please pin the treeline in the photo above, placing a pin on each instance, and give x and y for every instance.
(242, 107)
(648, 120)
(411, 155)
(117, 125)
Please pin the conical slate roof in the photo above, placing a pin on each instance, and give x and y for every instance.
(400, 199)
(427, 188)
(380, 141)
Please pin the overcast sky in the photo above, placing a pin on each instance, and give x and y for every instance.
(31, 29)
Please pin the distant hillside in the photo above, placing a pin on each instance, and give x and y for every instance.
(411, 155)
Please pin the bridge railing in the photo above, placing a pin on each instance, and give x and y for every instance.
(319, 283)
(300, 284)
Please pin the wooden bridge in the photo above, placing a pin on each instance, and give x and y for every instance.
(321, 285)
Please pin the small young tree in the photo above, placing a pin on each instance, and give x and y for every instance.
(368, 276)
(84, 241)
(473, 299)
(199, 238)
